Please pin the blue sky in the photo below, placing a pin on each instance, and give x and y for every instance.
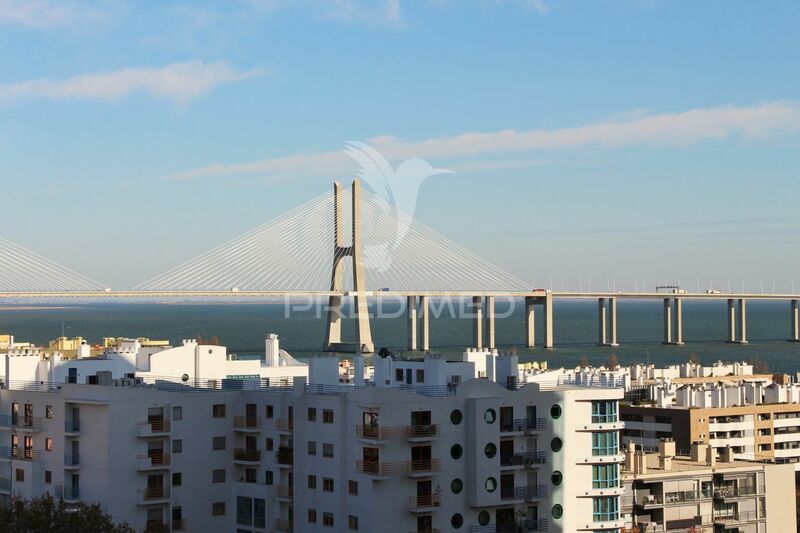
(592, 142)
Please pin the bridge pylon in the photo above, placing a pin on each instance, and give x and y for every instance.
(333, 336)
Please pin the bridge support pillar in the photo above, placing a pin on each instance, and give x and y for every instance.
(490, 339)
(477, 322)
(612, 322)
(731, 320)
(424, 310)
(548, 320)
(667, 321)
(530, 322)
(742, 326)
(411, 310)
(794, 323)
(602, 326)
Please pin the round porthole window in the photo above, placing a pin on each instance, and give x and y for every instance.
(556, 477)
(490, 450)
(455, 419)
(556, 444)
(483, 518)
(557, 511)
(185, 377)
(455, 451)
(456, 486)
(490, 416)
(210, 351)
(456, 521)
(490, 485)
(555, 411)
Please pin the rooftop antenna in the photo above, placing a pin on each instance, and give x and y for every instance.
(62, 328)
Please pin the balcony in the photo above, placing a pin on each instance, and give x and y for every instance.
(540, 524)
(156, 526)
(153, 495)
(242, 455)
(423, 503)
(284, 425)
(72, 427)
(737, 517)
(512, 460)
(153, 461)
(534, 459)
(5, 484)
(246, 424)
(725, 493)
(24, 454)
(72, 460)
(72, 494)
(418, 468)
(26, 423)
(686, 497)
(179, 525)
(5, 452)
(285, 457)
(535, 425)
(501, 528)
(518, 425)
(153, 428)
(284, 492)
(416, 433)
(5, 421)
(422, 432)
(283, 526)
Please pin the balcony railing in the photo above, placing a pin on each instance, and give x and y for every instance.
(154, 460)
(393, 432)
(72, 493)
(512, 459)
(72, 459)
(498, 528)
(154, 493)
(518, 424)
(379, 468)
(5, 484)
(26, 422)
(532, 459)
(285, 457)
(686, 496)
(284, 491)
(428, 530)
(284, 424)
(24, 454)
(424, 500)
(416, 431)
(156, 526)
(154, 427)
(5, 452)
(72, 426)
(179, 525)
(741, 516)
(605, 419)
(525, 492)
(241, 454)
(246, 422)
(540, 524)
(282, 524)
(737, 492)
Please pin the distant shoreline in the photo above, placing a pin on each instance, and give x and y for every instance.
(34, 308)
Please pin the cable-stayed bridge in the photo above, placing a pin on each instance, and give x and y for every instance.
(356, 244)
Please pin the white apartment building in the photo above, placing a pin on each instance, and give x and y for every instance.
(423, 446)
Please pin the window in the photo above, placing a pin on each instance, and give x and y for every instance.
(269, 479)
(557, 511)
(218, 443)
(352, 487)
(48, 444)
(48, 477)
(250, 475)
(312, 481)
(556, 444)
(327, 519)
(604, 411)
(455, 418)
(218, 410)
(327, 449)
(456, 486)
(456, 451)
(327, 484)
(352, 523)
(398, 374)
(605, 476)
(327, 416)
(312, 414)
(244, 511)
(605, 508)
(456, 521)
(490, 450)
(259, 513)
(218, 476)
(218, 509)
(270, 445)
(557, 477)
(605, 443)
(48, 411)
(490, 485)
(20, 475)
(490, 416)
(555, 411)
(312, 516)
(420, 376)
(270, 412)
(177, 446)
(177, 412)
(312, 447)
(177, 479)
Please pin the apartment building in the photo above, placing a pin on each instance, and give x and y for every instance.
(669, 491)
(424, 446)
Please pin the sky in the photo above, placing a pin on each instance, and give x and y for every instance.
(605, 144)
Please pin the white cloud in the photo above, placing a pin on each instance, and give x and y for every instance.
(176, 81)
(46, 14)
(382, 12)
(660, 130)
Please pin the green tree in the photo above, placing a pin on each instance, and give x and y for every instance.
(46, 514)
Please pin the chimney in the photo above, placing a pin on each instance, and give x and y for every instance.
(711, 457)
(630, 451)
(699, 451)
(641, 463)
(666, 448)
